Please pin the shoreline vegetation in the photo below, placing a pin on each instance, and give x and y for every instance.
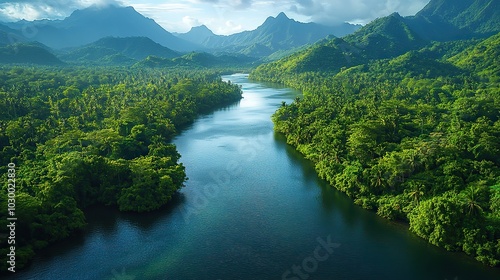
(415, 138)
(82, 136)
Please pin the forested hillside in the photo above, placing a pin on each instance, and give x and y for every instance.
(29, 53)
(383, 38)
(415, 138)
(444, 20)
(108, 49)
(85, 136)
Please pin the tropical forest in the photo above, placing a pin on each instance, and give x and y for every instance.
(198, 145)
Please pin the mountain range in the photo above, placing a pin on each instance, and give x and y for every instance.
(120, 35)
(275, 34)
(393, 35)
(78, 36)
(91, 24)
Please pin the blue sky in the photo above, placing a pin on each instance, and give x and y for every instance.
(222, 16)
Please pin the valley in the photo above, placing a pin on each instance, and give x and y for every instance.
(383, 137)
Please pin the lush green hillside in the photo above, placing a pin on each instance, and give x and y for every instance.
(121, 51)
(27, 53)
(327, 56)
(389, 37)
(443, 20)
(482, 59)
(415, 138)
(97, 56)
(385, 37)
(198, 60)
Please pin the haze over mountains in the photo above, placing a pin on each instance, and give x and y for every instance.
(91, 24)
(86, 27)
(120, 35)
(395, 35)
(275, 34)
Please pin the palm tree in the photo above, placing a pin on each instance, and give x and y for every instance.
(416, 191)
(472, 205)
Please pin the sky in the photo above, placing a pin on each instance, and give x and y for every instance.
(221, 16)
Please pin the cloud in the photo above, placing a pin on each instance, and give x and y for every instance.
(223, 16)
(231, 4)
(361, 11)
(191, 21)
(40, 9)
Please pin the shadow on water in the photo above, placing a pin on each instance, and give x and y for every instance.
(105, 221)
(389, 238)
(146, 221)
(331, 198)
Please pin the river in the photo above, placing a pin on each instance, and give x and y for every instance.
(252, 208)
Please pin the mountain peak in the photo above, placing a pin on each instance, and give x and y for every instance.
(197, 34)
(281, 15)
(200, 29)
(90, 24)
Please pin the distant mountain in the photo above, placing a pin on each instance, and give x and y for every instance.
(129, 50)
(392, 36)
(197, 34)
(197, 59)
(91, 24)
(10, 36)
(385, 37)
(275, 34)
(382, 38)
(209, 60)
(27, 53)
(443, 20)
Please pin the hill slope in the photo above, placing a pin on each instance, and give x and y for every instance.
(383, 38)
(391, 36)
(30, 53)
(443, 20)
(482, 59)
(129, 49)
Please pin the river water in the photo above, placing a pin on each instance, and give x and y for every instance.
(252, 208)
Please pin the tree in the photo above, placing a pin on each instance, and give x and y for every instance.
(439, 220)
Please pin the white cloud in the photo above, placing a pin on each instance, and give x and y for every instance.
(191, 21)
(222, 16)
(49, 9)
(335, 11)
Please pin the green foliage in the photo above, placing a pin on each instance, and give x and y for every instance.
(415, 138)
(86, 136)
(385, 37)
(482, 59)
(440, 220)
